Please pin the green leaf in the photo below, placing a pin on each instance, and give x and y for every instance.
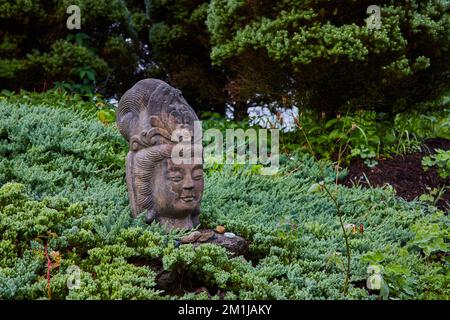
(90, 75)
(331, 122)
(314, 188)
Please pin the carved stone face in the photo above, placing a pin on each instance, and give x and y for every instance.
(177, 189)
(148, 116)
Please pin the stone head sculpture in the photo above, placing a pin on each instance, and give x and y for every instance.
(150, 116)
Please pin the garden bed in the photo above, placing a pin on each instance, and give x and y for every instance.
(404, 172)
(64, 207)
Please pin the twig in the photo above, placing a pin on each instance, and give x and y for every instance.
(334, 199)
(347, 245)
(49, 267)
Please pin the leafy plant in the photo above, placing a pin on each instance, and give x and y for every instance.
(433, 195)
(432, 237)
(365, 134)
(441, 160)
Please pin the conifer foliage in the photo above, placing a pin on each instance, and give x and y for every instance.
(63, 205)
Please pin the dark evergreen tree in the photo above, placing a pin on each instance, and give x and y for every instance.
(322, 54)
(38, 50)
(180, 45)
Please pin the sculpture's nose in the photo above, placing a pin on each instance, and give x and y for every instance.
(188, 182)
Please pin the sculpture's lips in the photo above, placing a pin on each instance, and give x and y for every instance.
(188, 198)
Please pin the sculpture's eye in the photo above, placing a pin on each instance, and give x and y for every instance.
(197, 174)
(176, 178)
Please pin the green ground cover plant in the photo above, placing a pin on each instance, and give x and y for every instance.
(441, 160)
(63, 203)
(362, 134)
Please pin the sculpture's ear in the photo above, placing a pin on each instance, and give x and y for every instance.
(156, 122)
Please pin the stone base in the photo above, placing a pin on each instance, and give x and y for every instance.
(233, 243)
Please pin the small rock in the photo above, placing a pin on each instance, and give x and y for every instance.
(206, 235)
(192, 237)
(235, 244)
(220, 229)
(229, 235)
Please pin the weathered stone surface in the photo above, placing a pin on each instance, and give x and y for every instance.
(206, 235)
(229, 235)
(152, 116)
(236, 245)
(192, 237)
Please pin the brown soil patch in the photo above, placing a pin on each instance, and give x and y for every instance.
(404, 173)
